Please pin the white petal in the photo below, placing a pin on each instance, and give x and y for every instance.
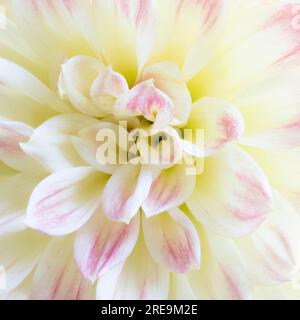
(11, 135)
(19, 254)
(15, 190)
(272, 251)
(19, 79)
(78, 74)
(57, 276)
(138, 278)
(65, 200)
(173, 241)
(125, 192)
(168, 78)
(232, 196)
(145, 99)
(220, 121)
(50, 143)
(103, 244)
(108, 86)
(170, 189)
(223, 275)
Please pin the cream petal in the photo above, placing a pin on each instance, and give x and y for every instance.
(77, 76)
(17, 78)
(187, 32)
(223, 275)
(51, 145)
(103, 244)
(168, 78)
(145, 99)
(170, 189)
(15, 190)
(65, 200)
(232, 196)
(13, 133)
(106, 88)
(173, 241)
(272, 251)
(19, 254)
(121, 200)
(60, 278)
(220, 121)
(138, 278)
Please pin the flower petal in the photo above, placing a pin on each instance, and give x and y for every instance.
(145, 99)
(11, 135)
(168, 78)
(103, 244)
(232, 196)
(54, 135)
(15, 77)
(169, 190)
(223, 275)
(272, 251)
(15, 190)
(220, 121)
(138, 278)
(121, 199)
(65, 200)
(186, 32)
(77, 76)
(60, 278)
(108, 86)
(19, 254)
(173, 241)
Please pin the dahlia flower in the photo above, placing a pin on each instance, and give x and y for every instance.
(89, 89)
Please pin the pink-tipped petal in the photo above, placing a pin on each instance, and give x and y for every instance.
(272, 252)
(19, 255)
(145, 99)
(106, 88)
(59, 278)
(223, 274)
(15, 190)
(51, 145)
(65, 200)
(173, 241)
(168, 78)
(170, 189)
(232, 196)
(138, 278)
(125, 192)
(103, 244)
(220, 121)
(11, 135)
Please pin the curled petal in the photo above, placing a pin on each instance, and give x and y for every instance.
(60, 278)
(65, 200)
(103, 244)
(168, 78)
(11, 135)
(77, 76)
(108, 86)
(54, 135)
(145, 99)
(237, 205)
(138, 278)
(173, 241)
(121, 199)
(220, 121)
(170, 189)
